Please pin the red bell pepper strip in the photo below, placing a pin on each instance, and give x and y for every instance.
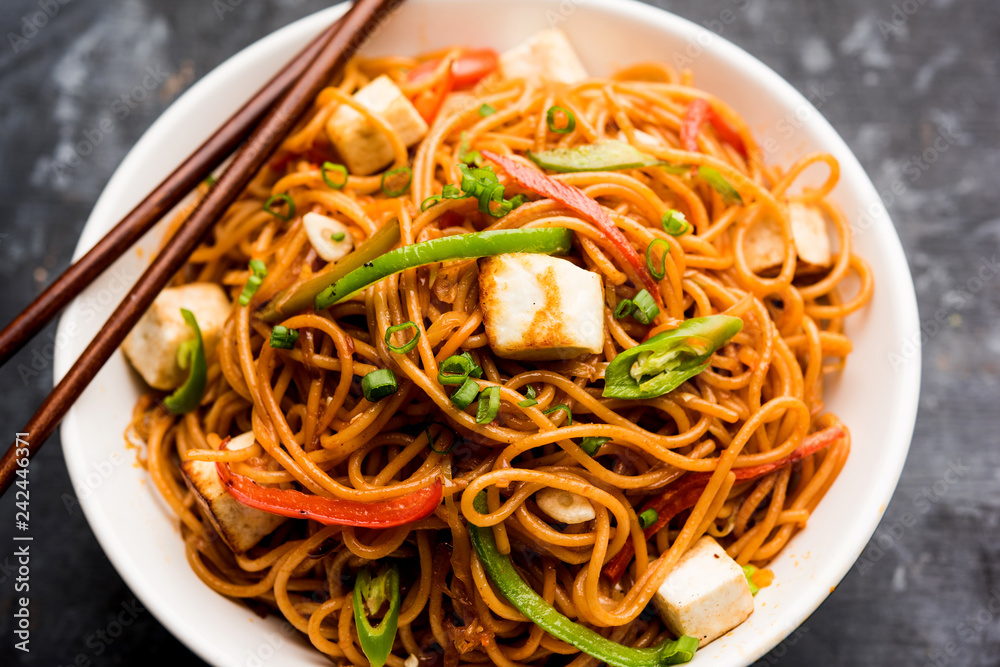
(574, 199)
(685, 494)
(429, 102)
(698, 112)
(332, 511)
(470, 66)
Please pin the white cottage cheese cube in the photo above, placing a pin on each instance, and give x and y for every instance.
(239, 526)
(706, 595)
(546, 55)
(540, 307)
(152, 345)
(364, 148)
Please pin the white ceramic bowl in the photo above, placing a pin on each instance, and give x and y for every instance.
(876, 396)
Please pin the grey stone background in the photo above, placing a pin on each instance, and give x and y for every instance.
(913, 88)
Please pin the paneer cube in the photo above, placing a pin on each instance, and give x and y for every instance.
(152, 345)
(546, 55)
(538, 307)
(364, 148)
(706, 594)
(765, 249)
(239, 526)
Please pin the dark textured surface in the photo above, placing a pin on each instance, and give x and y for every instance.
(902, 77)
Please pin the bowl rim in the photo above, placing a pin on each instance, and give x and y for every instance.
(903, 417)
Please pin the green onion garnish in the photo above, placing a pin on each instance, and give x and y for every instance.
(288, 215)
(283, 338)
(657, 274)
(408, 345)
(487, 110)
(488, 405)
(730, 195)
(401, 177)
(451, 191)
(624, 309)
(430, 440)
(518, 200)
(340, 169)
(491, 195)
(648, 518)
(338, 237)
(591, 444)
(550, 120)
(379, 384)
(530, 400)
(430, 201)
(646, 309)
(674, 223)
(560, 407)
(258, 271)
(465, 394)
(457, 368)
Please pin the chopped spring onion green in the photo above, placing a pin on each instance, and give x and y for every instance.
(518, 200)
(730, 195)
(648, 518)
(283, 338)
(397, 181)
(624, 309)
(410, 344)
(657, 274)
(551, 120)
(566, 409)
(488, 405)
(431, 440)
(339, 169)
(674, 223)
(748, 572)
(530, 400)
(487, 110)
(338, 237)
(430, 201)
(190, 357)
(591, 444)
(258, 271)
(466, 394)
(474, 157)
(457, 368)
(289, 202)
(646, 309)
(379, 384)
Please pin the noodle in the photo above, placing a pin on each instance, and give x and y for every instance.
(761, 395)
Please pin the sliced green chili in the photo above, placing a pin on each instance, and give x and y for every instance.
(501, 570)
(668, 359)
(190, 357)
(289, 202)
(369, 595)
(548, 240)
(488, 405)
(408, 345)
(379, 384)
(339, 169)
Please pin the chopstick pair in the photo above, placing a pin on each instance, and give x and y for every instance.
(270, 114)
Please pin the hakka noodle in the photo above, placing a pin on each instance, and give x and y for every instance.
(384, 420)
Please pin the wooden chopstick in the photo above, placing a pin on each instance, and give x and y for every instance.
(161, 200)
(360, 21)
